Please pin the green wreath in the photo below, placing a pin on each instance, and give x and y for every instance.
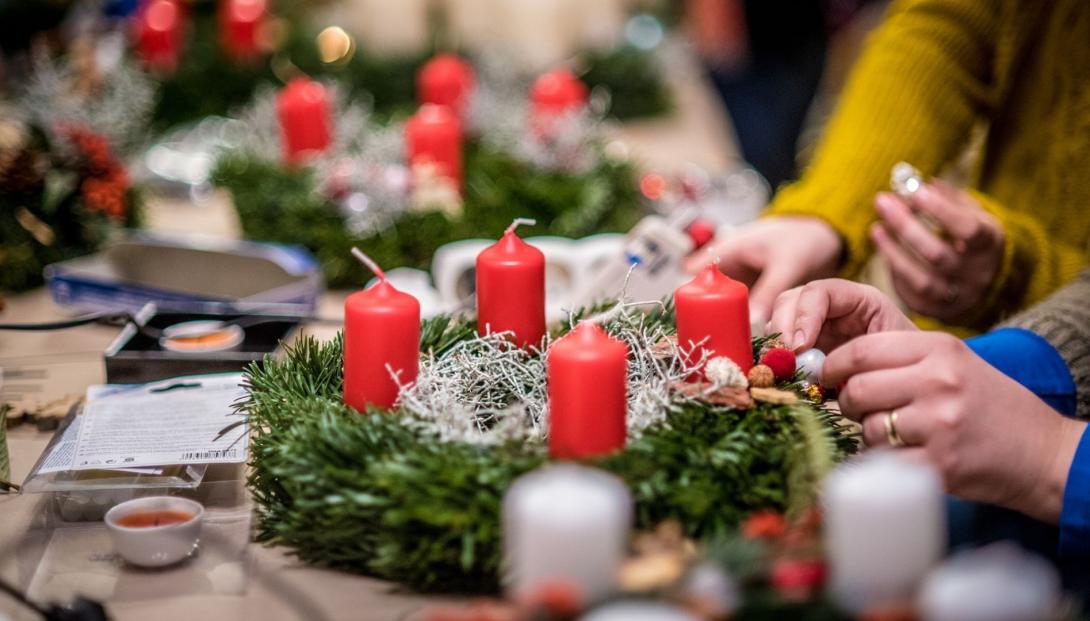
(281, 205)
(379, 494)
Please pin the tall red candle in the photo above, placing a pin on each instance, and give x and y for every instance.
(713, 310)
(240, 23)
(587, 374)
(433, 136)
(555, 94)
(511, 288)
(159, 31)
(305, 119)
(381, 335)
(446, 80)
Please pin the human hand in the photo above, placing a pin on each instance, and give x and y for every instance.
(992, 440)
(773, 255)
(828, 313)
(939, 275)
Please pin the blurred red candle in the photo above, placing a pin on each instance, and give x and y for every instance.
(446, 80)
(511, 289)
(381, 334)
(587, 374)
(433, 137)
(305, 119)
(240, 23)
(713, 310)
(555, 94)
(159, 31)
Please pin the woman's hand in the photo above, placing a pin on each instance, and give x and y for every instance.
(772, 255)
(946, 273)
(828, 313)
(992, 439)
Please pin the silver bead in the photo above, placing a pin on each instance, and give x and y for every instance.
(810, 363)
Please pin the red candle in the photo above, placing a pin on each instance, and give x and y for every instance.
(511, 288)
(433, 137)
(446, 80)
(587, 374)
(305, 119)
(159, 30)
(555, 94)
(713, 310)
(240, 23)
(381, 338)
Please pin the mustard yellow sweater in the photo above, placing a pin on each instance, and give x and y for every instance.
(928, 75)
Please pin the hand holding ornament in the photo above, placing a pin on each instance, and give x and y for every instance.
(828, 313)
(944, 270)
(992, 440)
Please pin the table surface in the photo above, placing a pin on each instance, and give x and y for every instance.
(43, 367)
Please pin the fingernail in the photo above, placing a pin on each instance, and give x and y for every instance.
(800, 338)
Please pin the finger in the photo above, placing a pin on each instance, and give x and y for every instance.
(774, 280)
(905, 422)
(824, 301)
(913, 234)
(906, 270)
(872, 352)
(953, 209)
(784, 312)
(877, 391)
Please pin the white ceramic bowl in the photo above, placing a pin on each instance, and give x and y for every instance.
(155, 546)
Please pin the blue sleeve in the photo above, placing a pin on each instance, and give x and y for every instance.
(1030, 360)
(1075, 516)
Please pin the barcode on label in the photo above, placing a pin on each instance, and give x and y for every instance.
(224, 454)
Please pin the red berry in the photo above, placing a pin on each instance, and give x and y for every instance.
(781, 361)
(764, 525)
(701, 232)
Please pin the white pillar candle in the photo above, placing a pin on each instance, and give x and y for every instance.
(999, 582)
(565, 523)
(387, 27)
(884, 528)
(636, 610)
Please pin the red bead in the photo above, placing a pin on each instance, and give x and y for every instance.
(701, 232)
(781, 361)
(764, 525)
(797, 579)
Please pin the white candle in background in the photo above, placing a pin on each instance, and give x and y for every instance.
(565, 523)
(885, 528)
(636, 610)
(538, 34)
(1000, 582)
(389, 26)
(602, 23)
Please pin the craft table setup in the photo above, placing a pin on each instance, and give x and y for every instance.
(55, 368)
(374, 310)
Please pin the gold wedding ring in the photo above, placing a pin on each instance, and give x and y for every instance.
(892, 436)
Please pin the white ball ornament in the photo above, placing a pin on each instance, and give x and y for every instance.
(810, 363)
(725, 373)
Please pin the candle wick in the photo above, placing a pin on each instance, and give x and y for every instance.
(369, 263)
(714, 256)
(518, 221)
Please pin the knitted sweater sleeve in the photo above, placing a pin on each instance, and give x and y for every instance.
(1064, 321)
(925, 77)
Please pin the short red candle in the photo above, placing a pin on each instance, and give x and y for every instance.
(713, 310)
(555, 94)
(587, 374)
(446, 80)
(240, 23)
(305, 119)
(511, 290)
(433, 136)
(159, 31)
(381, 332)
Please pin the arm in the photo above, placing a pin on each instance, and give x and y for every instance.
(919, 87)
